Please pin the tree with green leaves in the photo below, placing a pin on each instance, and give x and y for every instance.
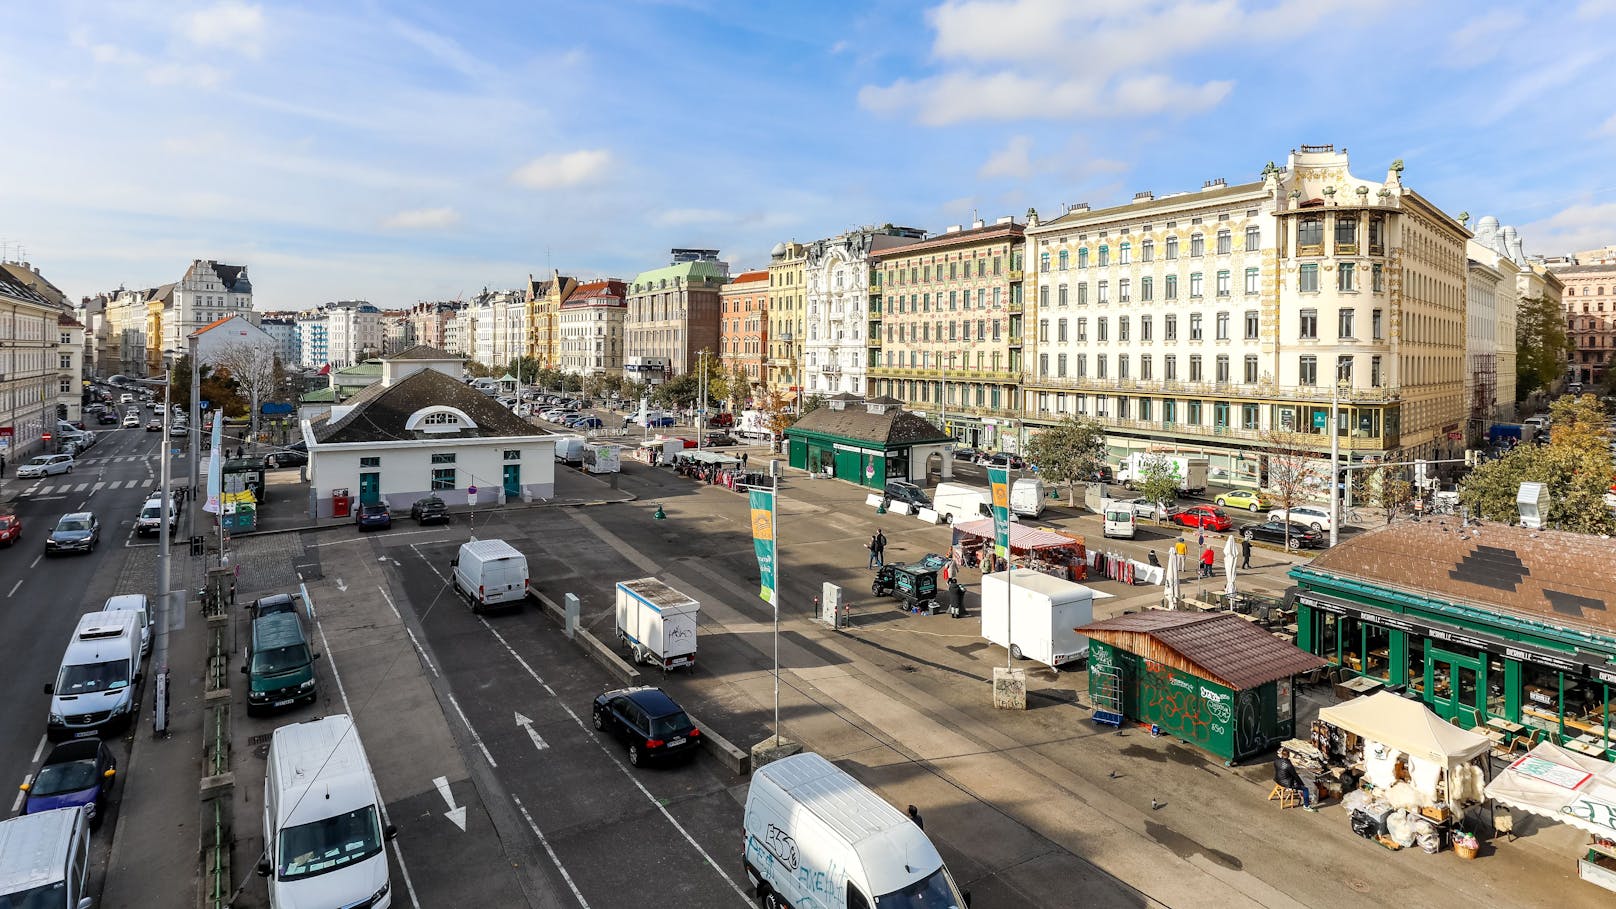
(1574, 467)
(1541, 345)
(1069, 452)
(524, 369)
(1158, 480)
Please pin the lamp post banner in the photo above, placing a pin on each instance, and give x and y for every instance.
(762, 501)
(999, 480)
(216, 466)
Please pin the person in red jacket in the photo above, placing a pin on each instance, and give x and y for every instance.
(1207, 555)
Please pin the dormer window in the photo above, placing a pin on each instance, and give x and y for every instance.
(441, 419)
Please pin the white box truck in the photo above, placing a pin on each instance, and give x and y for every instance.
(602, 457)
(1027, 497)
(1046, 610)
(817, 837)
(490, 573)
(657, 623)
(1191, 470)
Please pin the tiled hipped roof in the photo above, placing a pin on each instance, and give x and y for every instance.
(1220, 646)
(895, 428)
(380, 412)
(1547, 575)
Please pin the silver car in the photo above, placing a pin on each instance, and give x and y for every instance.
(46, 465)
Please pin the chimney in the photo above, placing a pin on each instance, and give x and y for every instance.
(1216, 183)
(1078, 208)
(953, 229)
(978, 223)
(1146, 196)
(1007, 219)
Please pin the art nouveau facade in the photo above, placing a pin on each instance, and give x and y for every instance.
(836, 282)
(543, 301)
(1200, 321)
(209, 291)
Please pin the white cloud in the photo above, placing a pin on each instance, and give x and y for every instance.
(839, 47)
(1005, 95)
(562, 169)
(231, 25)
(1609, 127)
(675, 217)
(423, 219)
(1014, 160)
(1483, 38)
(1596, 9)
(1576, 227)
(195, 75)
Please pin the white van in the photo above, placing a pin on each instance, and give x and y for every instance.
(1119, 519)
(137, 604)
(150, 519)
(816, 837)
(569, 449)
(45, 859)
(956, 502)
(490, 572)
(95, 688)
(323, 830)
(1027, 497)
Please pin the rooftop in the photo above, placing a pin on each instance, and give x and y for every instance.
(1129, 209)
(898, 427)
(1220, 646)
(686, 271)
(423, 352)
(381, 413)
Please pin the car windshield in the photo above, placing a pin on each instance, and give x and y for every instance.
(38, 462)
(672, 724)
(7, 520)
(73, 524)
(49, 896)
(275, 660)
(88, 678)
(934, 891)
(56, 779)
(328, 844)
(151, 511)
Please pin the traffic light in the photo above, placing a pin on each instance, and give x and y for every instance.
(1472, 457)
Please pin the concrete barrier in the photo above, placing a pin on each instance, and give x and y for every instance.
(899, 508)
(602, 654)
(927, 515)
(737, 760)
(873, 500)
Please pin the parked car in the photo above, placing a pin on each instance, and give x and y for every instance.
(131, 421)
(75, 773)
(106, 418)
(178, 429)
(721, 420)
(155, 424)
(374, 515)
(587, 421)
(45, 466)
(294, 455)
(1314, 516)
(10, 529)
(719, 439)
(553, 415)
(429, 508)
(968, 455)
(1145, 508)
(1291, 536)
(1249, 499)
(649, 722)
(900, 491)
(1206, 517)
(76, 532)
(1000, 459)
(150, 520)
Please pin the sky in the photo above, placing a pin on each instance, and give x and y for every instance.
(398, 152)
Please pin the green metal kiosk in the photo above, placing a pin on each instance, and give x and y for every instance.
(866, 442)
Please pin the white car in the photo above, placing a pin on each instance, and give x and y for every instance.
(1310, 515)
(131, 422)
(46, 465)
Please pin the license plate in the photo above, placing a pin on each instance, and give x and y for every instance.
(678, 661)
(283, 703)
(677, 741)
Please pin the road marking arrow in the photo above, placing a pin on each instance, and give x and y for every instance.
(456, 816)
(341, 586)
(527, 724)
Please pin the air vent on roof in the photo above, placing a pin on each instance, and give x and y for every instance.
(1007, 219)
(95, 632)
(1145, 196)
(953, 228)
(1079, 207)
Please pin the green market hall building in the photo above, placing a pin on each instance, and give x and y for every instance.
(867, 442)
(1478, 621)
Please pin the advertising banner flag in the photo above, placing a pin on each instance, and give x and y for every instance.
(216, 466)
(999, 480)
(762, 501)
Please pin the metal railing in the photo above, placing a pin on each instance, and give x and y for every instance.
(1318, 394)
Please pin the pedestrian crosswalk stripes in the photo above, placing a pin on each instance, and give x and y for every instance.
(109, 485)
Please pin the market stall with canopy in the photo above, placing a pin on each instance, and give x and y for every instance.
(1048, 551)
(1571, 788)
(1440, 756)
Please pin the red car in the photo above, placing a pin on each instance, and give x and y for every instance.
(689, 443)
(10, 529)
(1207, 517)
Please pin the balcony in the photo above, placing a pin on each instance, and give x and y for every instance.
(1015, 340)
(1313, 394)
(831, 369)
(1238, 434)
(1014, 306)
(1015, 275)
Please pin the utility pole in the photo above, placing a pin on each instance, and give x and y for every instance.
(1335, 457)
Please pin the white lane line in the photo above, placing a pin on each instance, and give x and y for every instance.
(36, 560)
(615, 763)
(27, 778)
(420, 651)
(348, 709)
(40, 748)
(546, 844)
(14, 588)
(475, 738)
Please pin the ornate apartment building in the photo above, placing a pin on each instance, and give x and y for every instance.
(743, 336)
(591, 329)
(30, 368)
(209, 291)
(544, 300)
(946, 330)
(1200, 321)
(1590, 307)
(836, 278)
(785, 307)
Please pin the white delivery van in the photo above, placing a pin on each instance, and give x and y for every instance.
(490, 573)
(817, 837)
(323, 826)
(45, 860)
(602, 457)
(1046, 610)
(137, 604)
(1118, 518)
(955, 502)
(95, 688)
(657, 623)
(569, 449)
(1027, 497)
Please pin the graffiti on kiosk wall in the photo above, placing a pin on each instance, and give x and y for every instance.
(1175, 704)
(1248, 730)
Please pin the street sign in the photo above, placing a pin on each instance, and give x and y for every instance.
(471, 490)
(202, 404)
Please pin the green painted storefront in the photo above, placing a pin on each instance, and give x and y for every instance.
(849, 459)
(863, 442)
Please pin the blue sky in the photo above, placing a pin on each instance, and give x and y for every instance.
(405, 151)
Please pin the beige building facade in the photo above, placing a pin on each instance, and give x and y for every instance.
(785, 306)
(1590, 306)
(591, 327)
(544, 299)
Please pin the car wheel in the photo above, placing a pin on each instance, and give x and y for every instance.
(1293, 544)
(600, 720)
(634, 755)
(772, 901)
(1248, 535)
(70, 468)
(1015, 651)
(876, 589)
(1219, 501)
(1317, 527)
(1253, 508)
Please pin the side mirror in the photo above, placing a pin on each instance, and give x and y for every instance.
(263, 867)
(111, 772)
(967, 895)
(86, 903)
(454, 563)
(317, 656)
(49, 688)
(391, 832)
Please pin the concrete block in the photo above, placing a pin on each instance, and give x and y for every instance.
(773, 749)
(1009, 688)
(216, 694)
(873, 500)
(217, 787)
(728, 754)
(927, 515)
(900, 508)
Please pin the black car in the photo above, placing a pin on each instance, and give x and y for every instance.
(76, 532)
(648, 722)
(429, 508)
(107, 418)
(899, 491)
(1001, 459)
(1292, 536)
(720, 439)
(295, 455)
(968, 455)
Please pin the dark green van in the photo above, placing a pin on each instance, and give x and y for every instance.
(280, 667)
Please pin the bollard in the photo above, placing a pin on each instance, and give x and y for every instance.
(570, 622)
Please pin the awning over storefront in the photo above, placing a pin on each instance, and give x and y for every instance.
(1561, 785)
(1021, 538)
(1407, 726)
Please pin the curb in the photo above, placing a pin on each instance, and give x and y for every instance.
(305, 528)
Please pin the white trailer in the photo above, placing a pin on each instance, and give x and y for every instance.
(657, 623)
(1047, 609)
(603, 457)
(1192, 471)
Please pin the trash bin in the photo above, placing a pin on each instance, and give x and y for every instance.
(341, 503)
(196, 546)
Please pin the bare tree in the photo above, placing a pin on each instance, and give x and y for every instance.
(1294, 467)
(252, 366)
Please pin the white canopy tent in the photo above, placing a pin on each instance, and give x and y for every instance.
(1561, 785)
(1409, 727)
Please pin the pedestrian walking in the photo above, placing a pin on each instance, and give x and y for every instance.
(880, 548)
(1182, 547)
(1245, 553)
(2, 467)
(743, 460)
(1207, 557)
(1154, 562)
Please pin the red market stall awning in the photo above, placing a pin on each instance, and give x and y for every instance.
(1021, 538)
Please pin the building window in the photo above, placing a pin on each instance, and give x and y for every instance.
(1122, 366)
(1251, 369)
(1043, 295)
(1144, 367)
(1308, 370)
(1195, 285)
(1172, 248)
(1099, 366)
(1062, 295)
(1125, 253)
(1310, 323)
(1223, 326)
(1060, 330)
(1344, 277)
(1170, 291)
(374, 462)
(1374, 371)
(1195, 326)
(1346, 231)
(1043, 262)
(1064, 259)
(1104, 292)
(1144, 328)
(1344, 324)
(1043, 331)
(1253, 322)
(1083, 258)
(1377, 279)
(1374, 324)
(1308, 279)
(1225, 242)
(1343, 368)
(1197, 245)
(1223, 284)
(1124, 285)
(1195, 367)
(1147, 289)
(1082, 293)
(1100, 328)
(1147, 251)
(1223, 369)
(443, 459)
(1060, 366)
(1170, 327)
(1105, 256)
(1310, 236)
(1170, 368)
(1249, 416)
(1122, 328)
(1377, 232)
(1253, 238)
(1251, 281)
(1082, 329)
(1043, 364)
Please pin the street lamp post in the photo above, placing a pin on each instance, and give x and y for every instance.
(1335, 456)
(160, 646)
